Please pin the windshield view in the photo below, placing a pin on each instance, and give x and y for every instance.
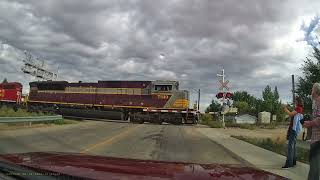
(166, 89)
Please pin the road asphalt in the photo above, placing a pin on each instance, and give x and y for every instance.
(138, 141)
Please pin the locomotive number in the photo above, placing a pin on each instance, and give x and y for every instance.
(163, 97)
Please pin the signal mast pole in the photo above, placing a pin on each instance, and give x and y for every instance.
(223, 98)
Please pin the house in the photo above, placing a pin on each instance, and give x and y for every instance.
(245, 119)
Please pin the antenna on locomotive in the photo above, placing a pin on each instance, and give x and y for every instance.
(57, 71)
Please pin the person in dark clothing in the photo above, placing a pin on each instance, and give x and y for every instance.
(294, 129)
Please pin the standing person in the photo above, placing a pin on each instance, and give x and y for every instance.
(314, 155)
(293, 131)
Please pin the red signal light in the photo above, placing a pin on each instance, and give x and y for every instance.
(219, 95)
(229, 95)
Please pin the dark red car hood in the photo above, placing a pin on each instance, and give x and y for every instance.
(99, 167)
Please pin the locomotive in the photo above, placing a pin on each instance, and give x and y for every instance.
(11, 94)
(136, 101)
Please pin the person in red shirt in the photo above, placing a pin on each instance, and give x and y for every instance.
(292, 133)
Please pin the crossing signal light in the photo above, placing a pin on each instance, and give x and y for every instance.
(229, 95)
(219, 95)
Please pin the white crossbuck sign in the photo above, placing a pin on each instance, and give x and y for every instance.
(224, 85)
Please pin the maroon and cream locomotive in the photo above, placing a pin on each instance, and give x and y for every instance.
(137, 101)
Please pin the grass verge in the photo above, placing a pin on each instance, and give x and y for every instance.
(242, 126)
(57, 122)
(213, 124)
(9, 112)
(210, 121)
(277, 146)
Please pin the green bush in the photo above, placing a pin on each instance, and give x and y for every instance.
(57, 122)
(215, 124)
(242, 126)
(206, 118)
(63, 121)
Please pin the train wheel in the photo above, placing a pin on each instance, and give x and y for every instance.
(141, 121)
(15, 108)
(159, 119)
(178, 121)
(132, 119)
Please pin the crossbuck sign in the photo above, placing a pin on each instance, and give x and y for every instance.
(224, 85)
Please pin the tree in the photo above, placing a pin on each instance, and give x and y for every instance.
(259, 106)
(271, 101)
(245, 102)
(276, 101)
(268, 99)
(311, 74)
(214, 107)
(276, 93)
(243, 107)
(244, 96)
(5, 80)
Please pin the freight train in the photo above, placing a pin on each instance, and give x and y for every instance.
(136, 101)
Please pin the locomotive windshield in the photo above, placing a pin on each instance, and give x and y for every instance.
(163, 87)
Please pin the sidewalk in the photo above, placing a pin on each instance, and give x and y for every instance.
(256, 156)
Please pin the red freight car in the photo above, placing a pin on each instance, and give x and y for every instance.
(139, 101)
(10, 93)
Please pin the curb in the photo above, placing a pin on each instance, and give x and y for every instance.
(234, 155)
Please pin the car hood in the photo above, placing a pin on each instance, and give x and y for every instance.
(100, 167)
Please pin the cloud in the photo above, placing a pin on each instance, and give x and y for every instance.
(131, 67)
(256, 42)
(310, 30)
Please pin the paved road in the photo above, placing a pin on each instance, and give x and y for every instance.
(142, 141)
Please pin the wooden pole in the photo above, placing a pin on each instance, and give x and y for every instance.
(293, 90)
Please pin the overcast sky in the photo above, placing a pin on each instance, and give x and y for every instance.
(256, 42)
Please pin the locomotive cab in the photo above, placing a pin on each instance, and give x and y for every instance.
(10, 93)
(165, 86)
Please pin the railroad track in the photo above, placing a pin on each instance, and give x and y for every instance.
(109, 120)
(93, 119)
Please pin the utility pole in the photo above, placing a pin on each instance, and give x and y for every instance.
(199, 100)
(293, 90)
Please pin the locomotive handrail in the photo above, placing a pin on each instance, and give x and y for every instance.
(29, 119)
